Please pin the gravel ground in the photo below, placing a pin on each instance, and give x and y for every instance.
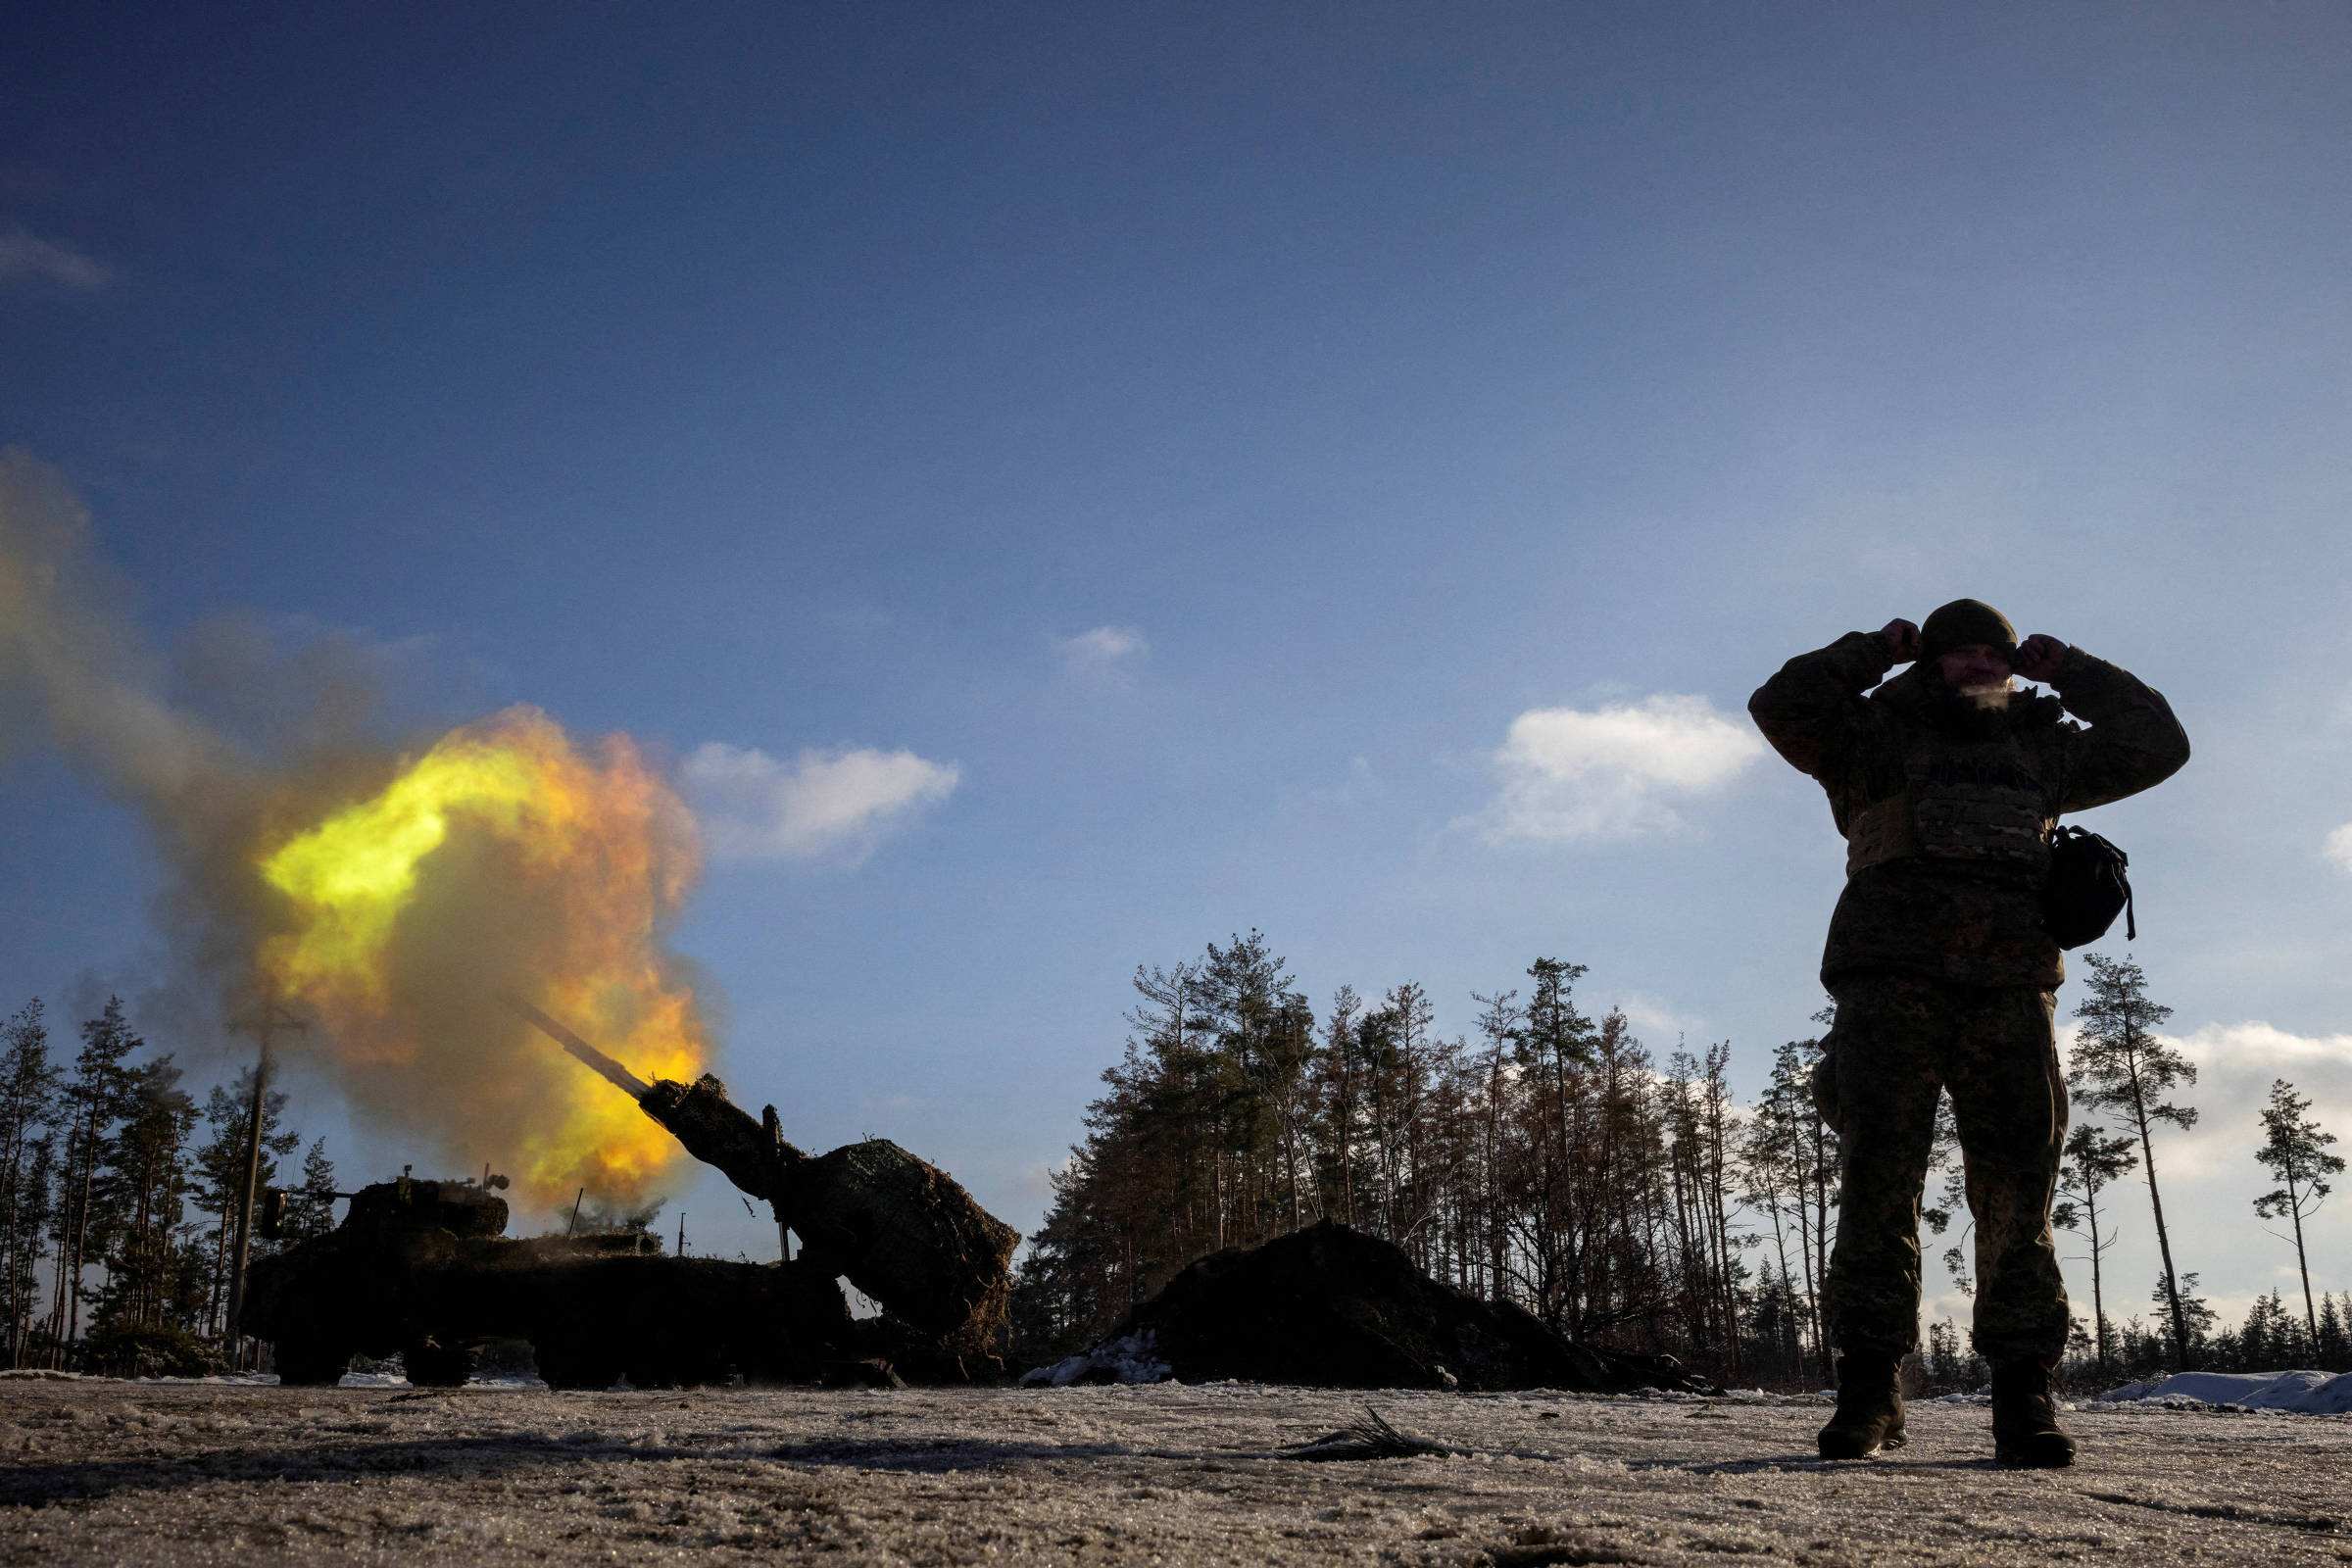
(141, 1472)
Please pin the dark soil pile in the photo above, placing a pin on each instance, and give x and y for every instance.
(1331, 1307)
(907, 1234)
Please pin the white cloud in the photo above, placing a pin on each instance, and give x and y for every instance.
(2235, 1065)
(821, 803)
(2210, 1179)
(1657, 1021)
(1613, 772)
(1102, 651)
(24, 253)
(2339, 847)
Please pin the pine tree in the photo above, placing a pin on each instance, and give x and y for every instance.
(2296, 1152)
(1259, 1031)
(1338, 1095)
(136, 1200)
(1714, 1127)
(1789, 1154)
(1553, 1047)
(2332, 1346)
(2178, 1293)
(2094, 1159)
(220, 1174)
(2265, 1341)
(95, 1098)
(28, 1100)
(27, 1242)
(2121, 1065)
(311, 1210)
(1497, 1142)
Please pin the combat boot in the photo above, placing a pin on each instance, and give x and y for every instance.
(1870, 1406)
(2024, 1422)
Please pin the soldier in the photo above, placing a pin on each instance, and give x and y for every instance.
(1945, 782)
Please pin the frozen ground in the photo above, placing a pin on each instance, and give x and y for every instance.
(138, 1473)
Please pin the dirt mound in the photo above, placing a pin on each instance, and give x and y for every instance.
(1331, 1307)
(909, 1237)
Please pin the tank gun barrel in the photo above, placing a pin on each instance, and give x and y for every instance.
(612, 1071)
(699, 1115)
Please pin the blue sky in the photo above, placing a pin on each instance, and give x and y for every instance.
(1195, 437)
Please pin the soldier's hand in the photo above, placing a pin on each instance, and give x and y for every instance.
(1902, 640)
(2038, 656)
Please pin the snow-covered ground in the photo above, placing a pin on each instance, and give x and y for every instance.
(2300, 1392)
(94, 1471)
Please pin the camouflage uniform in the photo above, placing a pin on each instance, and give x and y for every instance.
(1941, 969)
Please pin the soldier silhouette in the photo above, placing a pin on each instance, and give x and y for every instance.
(1945, 782)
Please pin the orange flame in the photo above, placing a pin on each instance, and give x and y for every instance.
(501, 859)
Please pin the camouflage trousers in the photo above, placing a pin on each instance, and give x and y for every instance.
(1897, 1040)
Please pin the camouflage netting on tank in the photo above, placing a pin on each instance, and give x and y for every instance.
(901, 1229)
(718, 1132)
(907, 1234)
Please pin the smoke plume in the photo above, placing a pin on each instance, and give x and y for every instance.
(383, 894)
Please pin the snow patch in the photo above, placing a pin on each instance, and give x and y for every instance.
(1130, 1358)
(2301, 1393)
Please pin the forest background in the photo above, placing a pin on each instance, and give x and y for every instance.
(1553, 1161)
(1086, 482)
(1628, 1199)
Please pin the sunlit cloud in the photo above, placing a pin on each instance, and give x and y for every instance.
(823, 804)
(1613, 772)
(26, 255)
(2235, 1065)
(2337, 848)
(1659, 1021)
(1101, 651)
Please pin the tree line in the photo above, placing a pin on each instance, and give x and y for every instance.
(1555, 1161)
(2122, 1070)
(118, 1196)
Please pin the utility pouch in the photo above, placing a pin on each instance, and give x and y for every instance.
(2089, 886)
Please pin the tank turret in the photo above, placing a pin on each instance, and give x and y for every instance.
(414, 1204)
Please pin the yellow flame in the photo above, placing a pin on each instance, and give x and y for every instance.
(502, 858)
(352, 873)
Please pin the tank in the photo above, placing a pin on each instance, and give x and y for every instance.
(902, 1231)
(421, 1268)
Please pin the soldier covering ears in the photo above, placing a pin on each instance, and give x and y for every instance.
(1945, 782)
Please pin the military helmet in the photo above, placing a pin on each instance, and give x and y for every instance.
(1963, 623)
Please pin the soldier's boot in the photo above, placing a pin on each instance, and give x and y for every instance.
(1870, 1406)
(2024, 1421)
